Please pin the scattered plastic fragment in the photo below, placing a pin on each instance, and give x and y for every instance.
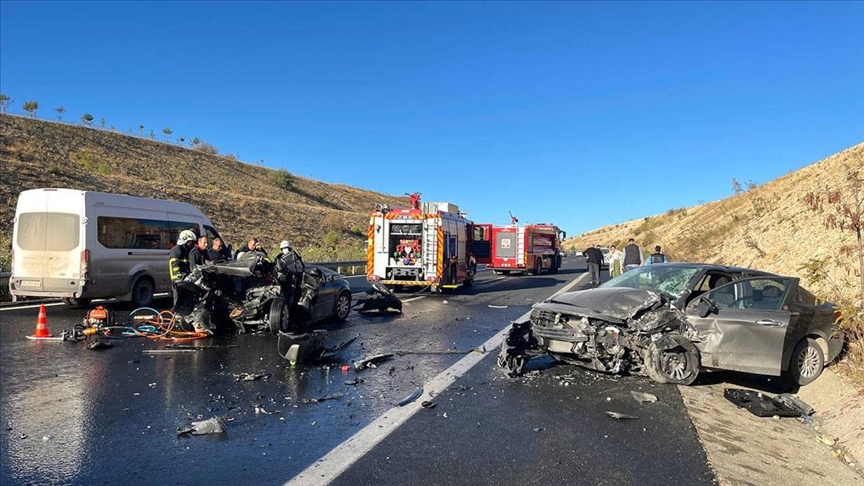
(497, 306)
(213, 425)
(428, 404)
(97, 344)
(826, 439)
(410, 398)
(371, 362)
(643, 397)
(621, 416)
(538, 429)
(252, 376)
(169, 351)
(260, 409)
(322, 399)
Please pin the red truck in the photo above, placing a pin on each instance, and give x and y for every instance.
(531, 248)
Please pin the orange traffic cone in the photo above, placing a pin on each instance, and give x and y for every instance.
(41, 325)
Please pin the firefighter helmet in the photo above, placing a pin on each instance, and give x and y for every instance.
(285, 246)
(185, 237)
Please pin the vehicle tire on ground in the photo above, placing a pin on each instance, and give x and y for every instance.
(806, 363)
(538, 266)
(342, 307)
(505, 272)
(678, 365)
(142, 292)
(70, 302)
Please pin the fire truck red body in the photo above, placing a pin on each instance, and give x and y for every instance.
(427, 245)
(531, 248)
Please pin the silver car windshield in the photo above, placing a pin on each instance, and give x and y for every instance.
(672, 280)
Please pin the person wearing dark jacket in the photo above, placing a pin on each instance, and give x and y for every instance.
(178, 260)
(657, 256)
(595, 258)
(198, 254)
(252, 245)
(632, 256)
(218, 251)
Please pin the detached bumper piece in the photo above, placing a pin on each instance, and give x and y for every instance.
(518, 347)
(761, 405)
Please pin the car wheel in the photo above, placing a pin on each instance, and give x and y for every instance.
(278, 314)
(806, 363)
(77, 302)
(678, 365)
(142, 293)
(343, 306)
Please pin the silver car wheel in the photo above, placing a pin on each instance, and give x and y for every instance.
(343, 306)
(808, 362)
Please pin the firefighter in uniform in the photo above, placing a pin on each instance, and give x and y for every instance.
(178, 259)
(289, 270)
(185, 306)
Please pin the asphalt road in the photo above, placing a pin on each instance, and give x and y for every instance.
(76, 416)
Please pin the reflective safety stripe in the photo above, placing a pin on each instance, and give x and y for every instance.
(174, 272)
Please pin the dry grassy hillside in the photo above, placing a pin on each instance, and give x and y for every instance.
(241, 199)
(768, 227)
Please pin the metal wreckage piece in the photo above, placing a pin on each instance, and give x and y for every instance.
(638, 332)
(209, 298)
(308, 348)
(378, 298)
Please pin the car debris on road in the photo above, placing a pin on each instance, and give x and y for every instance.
(213, 425)
(371, 362)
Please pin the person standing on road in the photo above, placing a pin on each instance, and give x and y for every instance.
(289, 271)
(199, 255)
(657, 256)
(595, 258)
(632, 255)
(178, 260)
(614, 257)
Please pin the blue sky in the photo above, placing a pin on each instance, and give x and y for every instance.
(584, 114)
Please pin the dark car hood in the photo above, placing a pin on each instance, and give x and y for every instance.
(613, 303)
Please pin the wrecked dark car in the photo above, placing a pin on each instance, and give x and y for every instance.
(247, 295)
(667, 321)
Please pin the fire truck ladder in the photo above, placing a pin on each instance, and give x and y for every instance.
(520, 248)
(430, 247)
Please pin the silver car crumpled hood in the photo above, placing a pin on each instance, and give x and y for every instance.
(642, 309)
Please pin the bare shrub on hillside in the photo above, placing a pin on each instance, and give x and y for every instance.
(843, 207)
(851, 322)
(206, 148)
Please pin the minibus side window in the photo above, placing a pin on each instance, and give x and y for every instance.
(134, 233)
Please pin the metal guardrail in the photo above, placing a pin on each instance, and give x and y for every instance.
(345, 268)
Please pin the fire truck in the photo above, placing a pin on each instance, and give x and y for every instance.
(427, 245)
(531, 248)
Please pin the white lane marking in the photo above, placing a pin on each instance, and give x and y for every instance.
(335, 462)
(414, 298)
(34, 306)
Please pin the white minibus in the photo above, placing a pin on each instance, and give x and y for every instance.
(84, 245)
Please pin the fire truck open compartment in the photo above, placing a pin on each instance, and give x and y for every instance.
(406, 262)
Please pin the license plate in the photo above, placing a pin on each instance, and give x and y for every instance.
(31, 283)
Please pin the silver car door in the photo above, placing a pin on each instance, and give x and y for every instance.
(746, 329)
